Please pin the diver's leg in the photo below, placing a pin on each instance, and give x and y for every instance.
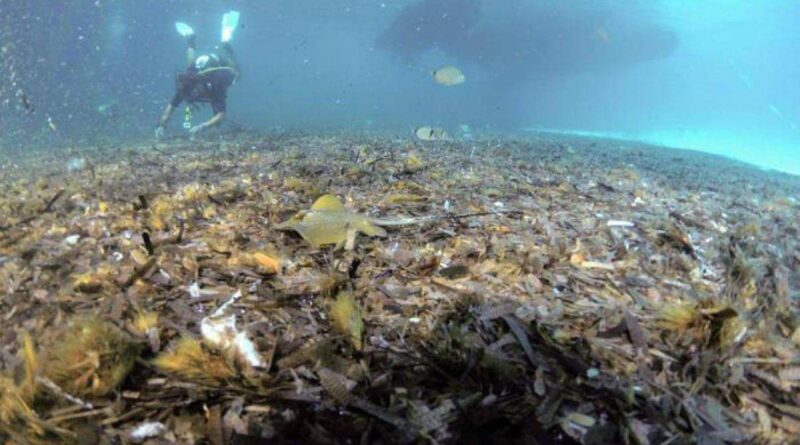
(228, 57)
(190, 50)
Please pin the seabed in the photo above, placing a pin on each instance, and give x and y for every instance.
(547, 289)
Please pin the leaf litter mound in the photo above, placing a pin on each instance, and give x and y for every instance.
(363, 289)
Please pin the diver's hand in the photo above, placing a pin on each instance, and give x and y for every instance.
(197, 129)
(159, 132)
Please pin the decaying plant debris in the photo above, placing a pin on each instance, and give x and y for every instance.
(549, 290)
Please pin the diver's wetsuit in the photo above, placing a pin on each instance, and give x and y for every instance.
(205, 80)
(209, 84)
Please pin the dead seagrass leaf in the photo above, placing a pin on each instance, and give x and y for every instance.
(329, 222)
(347, 318)
(17, 419)
(337, 385)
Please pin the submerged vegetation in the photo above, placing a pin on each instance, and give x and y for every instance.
(350, 289)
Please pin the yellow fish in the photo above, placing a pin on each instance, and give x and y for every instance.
(329, 222)
(448, 76)
(431, 134)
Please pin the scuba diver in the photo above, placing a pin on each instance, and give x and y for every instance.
(206, 78)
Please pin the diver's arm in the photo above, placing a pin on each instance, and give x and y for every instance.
(215, 120)
(218, 117)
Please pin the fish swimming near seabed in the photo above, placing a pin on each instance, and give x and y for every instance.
(429, 134)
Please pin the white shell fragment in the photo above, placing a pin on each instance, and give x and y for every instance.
(221, 333)
(194, 290)
(147, 430)
(616, 223)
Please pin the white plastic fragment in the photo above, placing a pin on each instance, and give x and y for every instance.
(147, 430)
(617, 223)
(221, 332)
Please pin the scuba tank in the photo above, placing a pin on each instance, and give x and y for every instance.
(187, 118)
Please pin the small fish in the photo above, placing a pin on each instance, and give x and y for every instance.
(51, 124)
(431, 134)
(26, 103)
(328, 222)
(106, 108)
(448, 76)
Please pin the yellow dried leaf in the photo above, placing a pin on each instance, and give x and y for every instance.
(347, 318)
(28, 352)
(16, 415)
(732, 331)
(91, 282)
(501, 229)
(145, 321)
(577, 259)
(209, 212)
(139, 257)
(299, 185)
(413, 163)
(337, 385)
(194, 192)
(190, 264)
(678, 316)
(266, 263)
(404, 198)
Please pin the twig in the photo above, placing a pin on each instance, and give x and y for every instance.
(49, 384)
(424, 219)
(47, 209)
(52, 201)
(276, 163)
(148, 244)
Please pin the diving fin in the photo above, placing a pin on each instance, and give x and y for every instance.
(229, 23)
(184, 29)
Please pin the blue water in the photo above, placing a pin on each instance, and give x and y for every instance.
(718, 75)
